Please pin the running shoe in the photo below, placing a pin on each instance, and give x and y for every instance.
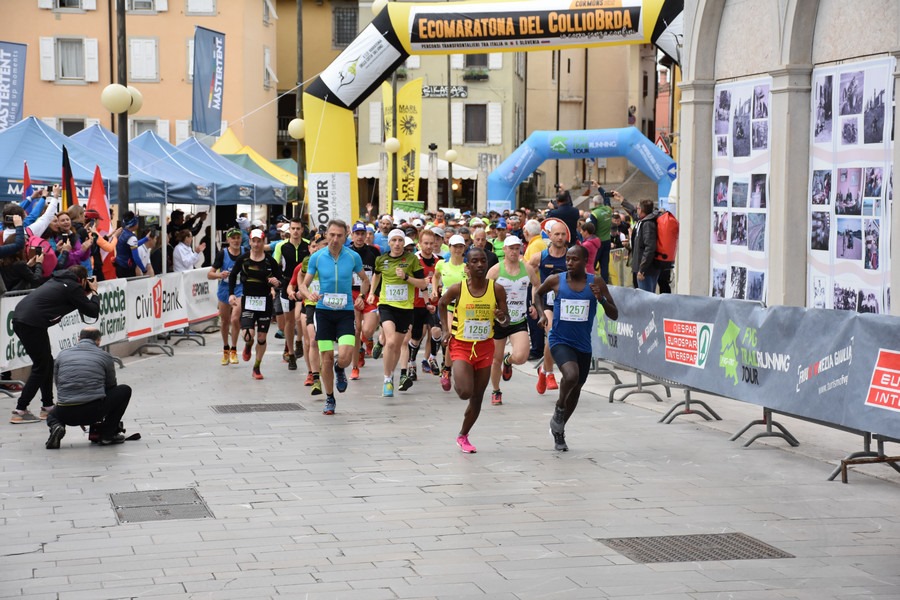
(309, 380)
(559, 441)
(497, 398)
(226, 357)
(507, 368)
(354, 374)
(285, 355)
(541, 386)
(298, 349)
(232, 356)
(426, 368)
(376, 351)
(330, 405)
(435, 368)
(45, 412)
(257, 374)
(57, 433)
(20, 417)
(362, 356)
(292, 362)
(388, 389)
(279, 335)
(551, 382)
(463, 442)
(411, 370)
(316, 388)
(557, 424)
(340, 379)
(246, 354)
(406, 382)
(445, 379)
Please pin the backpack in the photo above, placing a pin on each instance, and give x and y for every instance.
(666, 238)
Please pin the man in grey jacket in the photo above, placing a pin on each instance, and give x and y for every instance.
(643, 254)
(87, 391)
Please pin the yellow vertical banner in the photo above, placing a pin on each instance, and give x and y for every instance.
(387, 103)
(409, 132)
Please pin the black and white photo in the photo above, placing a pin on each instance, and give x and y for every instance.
(738, 285)
(760, 135)
(756, 237)
(741, 128)
(739, 229)
(719, 277)
(739, 192)
(723, 111)
(821, 187)
(852, 84)
(758, 190)
(756, 285)
(823, 110)
(820, 230)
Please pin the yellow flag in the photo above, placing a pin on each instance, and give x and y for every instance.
(409, 132)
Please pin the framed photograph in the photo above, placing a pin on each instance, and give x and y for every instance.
(821, 187)
(719, 278)
(737, 287)
(874, 109)
(868, 302)
(758, 190)
(756, 238)
(849, 241)
(848, 200)
(873, 178)
(721, 145)
(849, 131)
(720, 191)
(739, 229)
(872, 228)
(723, 112)
(739, 192)
(820, 230)
(760, 139)
(761, 102)
(756, 285)
(741, 128)
(851, 98)
(845, 297)
(818, 292)
(871, 207)
(823, 97)
(720, 227)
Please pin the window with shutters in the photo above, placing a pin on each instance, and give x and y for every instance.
(190, 60)
(143, 57)
(140, 5)
(200, 7)
(139, 126)
(476, 60)
(70, 59)
(68, 4)
(269, 77)
(475, 127)
(345, 24)
(71, 126)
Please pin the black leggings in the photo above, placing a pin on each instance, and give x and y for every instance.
(36, 342)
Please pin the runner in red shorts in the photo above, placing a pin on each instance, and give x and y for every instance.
(479, 302)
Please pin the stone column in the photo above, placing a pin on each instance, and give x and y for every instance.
(895, 214)
(695, 188)
(788, 218)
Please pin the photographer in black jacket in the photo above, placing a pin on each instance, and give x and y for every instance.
(67, 290)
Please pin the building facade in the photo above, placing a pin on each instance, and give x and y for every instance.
(72, 57)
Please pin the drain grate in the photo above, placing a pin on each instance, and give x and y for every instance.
(159, 505)
(691, 548)
(249, 408)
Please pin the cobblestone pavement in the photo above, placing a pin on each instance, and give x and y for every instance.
(377, 501)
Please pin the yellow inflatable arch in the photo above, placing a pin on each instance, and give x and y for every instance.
(404, 29)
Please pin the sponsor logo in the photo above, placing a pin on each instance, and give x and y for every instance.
(884, 389)
(610, 331)
(216, 86)
(558, 145)
(741, 359)
(200, 289)
(646, 334)
(347, 73)
(687, 342)
(841, 356)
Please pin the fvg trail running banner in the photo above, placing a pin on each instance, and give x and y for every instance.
(833, 366)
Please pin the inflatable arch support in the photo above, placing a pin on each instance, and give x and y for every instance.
(402, 29)
(598, 143)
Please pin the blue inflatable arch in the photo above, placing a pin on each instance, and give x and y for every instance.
(604, 143)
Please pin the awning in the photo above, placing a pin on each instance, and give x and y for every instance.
(373, 170)
(228, 143)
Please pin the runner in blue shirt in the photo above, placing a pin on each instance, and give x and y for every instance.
(576, 294)
(335, 265)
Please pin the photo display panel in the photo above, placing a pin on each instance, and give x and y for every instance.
(741, 200)
(851, 186)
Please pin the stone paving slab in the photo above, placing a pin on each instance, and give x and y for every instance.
(377, 501)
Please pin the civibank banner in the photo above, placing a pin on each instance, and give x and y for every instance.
(209, 81)
(12, 83)
(129, 310)
(833, 366)
(402, 29)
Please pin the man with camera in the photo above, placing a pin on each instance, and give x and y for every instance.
(88, 393)
(67, 290)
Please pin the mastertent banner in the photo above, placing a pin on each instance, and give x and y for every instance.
(209, 81)
(129, 310)
(12, 83)
(832, 366)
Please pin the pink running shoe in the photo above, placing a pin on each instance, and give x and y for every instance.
(463, 442)
(445, 380)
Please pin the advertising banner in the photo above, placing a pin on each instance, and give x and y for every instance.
(836, 367)
(155, 304)
(851, 186)
(200, 295)
(12, 83)
(209, 81)
(329, 197)
(409, 132)
(111, 324)
(739, 237)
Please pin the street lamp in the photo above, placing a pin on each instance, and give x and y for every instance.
(122, 101)
(297, 130)
(450, 155)
(392, 147)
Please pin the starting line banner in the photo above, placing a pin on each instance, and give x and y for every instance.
(129, 310)
(833, 366)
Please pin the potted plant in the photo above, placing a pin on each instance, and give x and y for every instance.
(475, 74)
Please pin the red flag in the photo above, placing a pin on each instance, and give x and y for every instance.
(97, 203)
(69, 195)
(27, 190)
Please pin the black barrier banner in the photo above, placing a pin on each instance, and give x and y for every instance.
(837, 367)
(494, 26)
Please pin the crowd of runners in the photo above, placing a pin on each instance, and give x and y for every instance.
(452, 304)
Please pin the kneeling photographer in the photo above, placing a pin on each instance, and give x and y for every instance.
(86, 382)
